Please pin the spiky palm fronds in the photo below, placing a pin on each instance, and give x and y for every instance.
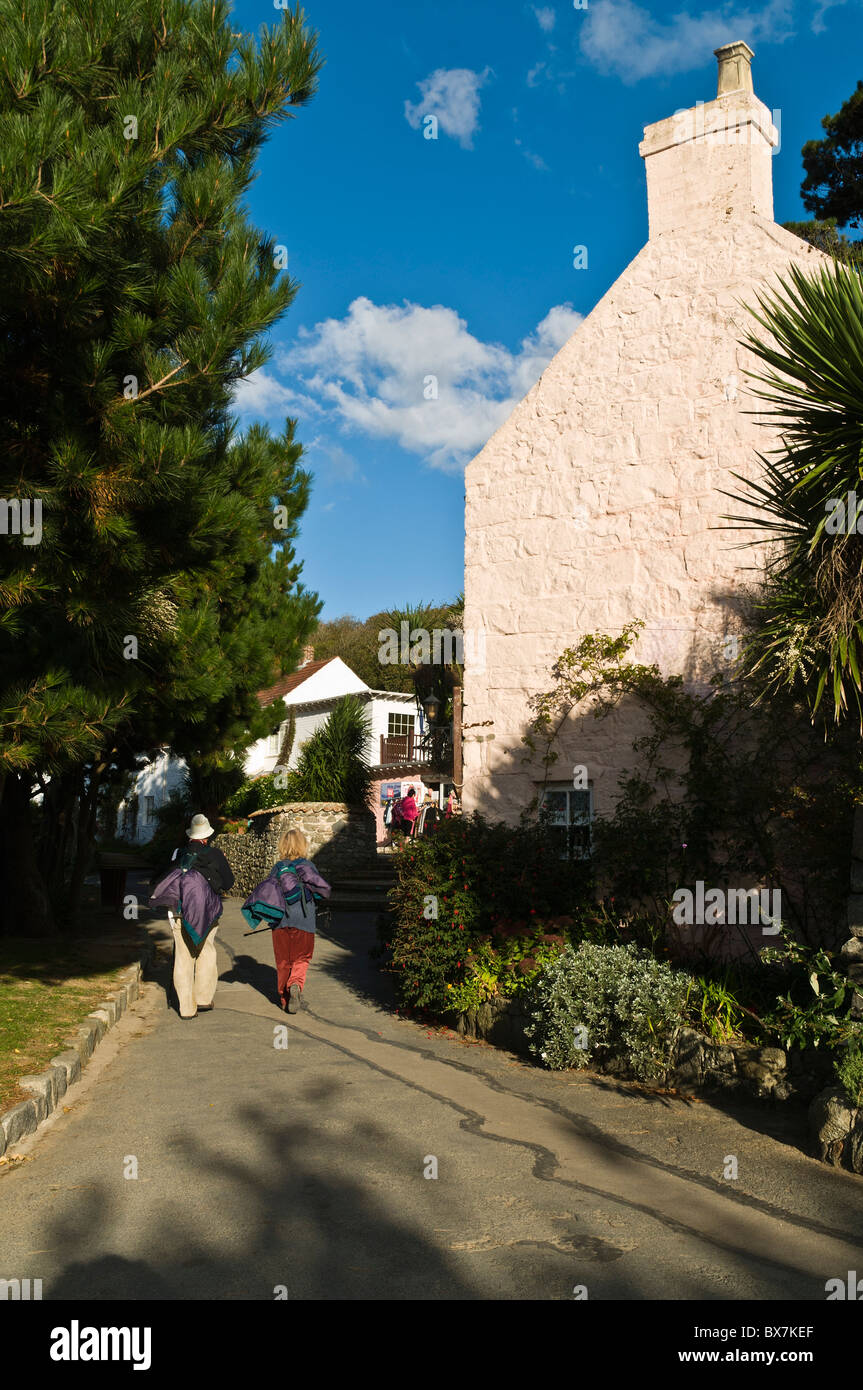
(332, 765)
(811, 633)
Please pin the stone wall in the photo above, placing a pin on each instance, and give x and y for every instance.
(836, 1127)
(835, 1124)
(340, 837)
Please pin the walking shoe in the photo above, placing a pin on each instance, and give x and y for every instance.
(294, 999)
(204, 1008)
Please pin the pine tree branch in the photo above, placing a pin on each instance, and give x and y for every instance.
(159, 385)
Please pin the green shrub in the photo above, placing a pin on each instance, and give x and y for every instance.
(815, 1008)
(849, 1070)
(481, 879)
(629, 1004)
(256, 794)
(715, 1009)
(504, 965)
(605, 925)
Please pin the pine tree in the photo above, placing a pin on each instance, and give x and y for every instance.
(833, 186)
(148, 583)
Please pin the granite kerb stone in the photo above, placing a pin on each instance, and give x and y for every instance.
(19, 1120)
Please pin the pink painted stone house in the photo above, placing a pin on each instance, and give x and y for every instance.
(600, 499)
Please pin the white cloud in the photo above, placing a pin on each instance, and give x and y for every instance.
(452, 95)
(261, 394)
(371, 368)
(534, 75)
(535, 159)
(624, 38)
(333, 462)
(546, 17)
(821, 9)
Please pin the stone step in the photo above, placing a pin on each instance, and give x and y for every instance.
(381, 871)
(346, 889)
(360, 885)
(368, 885)
(354, 902)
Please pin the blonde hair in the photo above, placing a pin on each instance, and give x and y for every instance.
(292, 845)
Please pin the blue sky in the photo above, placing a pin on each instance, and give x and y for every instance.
(452, 257)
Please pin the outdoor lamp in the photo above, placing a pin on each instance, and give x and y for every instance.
(431, 705)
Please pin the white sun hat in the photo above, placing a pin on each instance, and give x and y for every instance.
(200, 829)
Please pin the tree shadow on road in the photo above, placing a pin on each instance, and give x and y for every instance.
(294, 1219)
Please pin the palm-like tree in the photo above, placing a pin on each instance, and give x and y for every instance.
(332, 765)
(809, 636)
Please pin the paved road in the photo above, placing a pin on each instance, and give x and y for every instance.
(303, 1167)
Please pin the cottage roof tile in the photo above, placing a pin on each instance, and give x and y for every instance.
(289, 683)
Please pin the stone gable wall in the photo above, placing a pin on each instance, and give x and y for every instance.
(596, 502)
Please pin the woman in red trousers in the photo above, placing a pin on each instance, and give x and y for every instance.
(287, 901)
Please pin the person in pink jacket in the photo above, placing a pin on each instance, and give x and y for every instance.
(410, 810)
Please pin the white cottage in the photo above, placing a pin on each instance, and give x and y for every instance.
(596, 502)
(393, 749)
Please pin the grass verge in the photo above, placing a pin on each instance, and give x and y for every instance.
(47, 988)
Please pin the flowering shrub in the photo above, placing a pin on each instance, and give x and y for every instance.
(598, 1002)
(479, 879)
(504, 964)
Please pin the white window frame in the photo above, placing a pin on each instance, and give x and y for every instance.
(573, 818)
(400, 716)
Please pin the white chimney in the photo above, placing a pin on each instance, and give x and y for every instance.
(711, 164)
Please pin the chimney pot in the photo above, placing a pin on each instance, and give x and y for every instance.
(735, 68)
